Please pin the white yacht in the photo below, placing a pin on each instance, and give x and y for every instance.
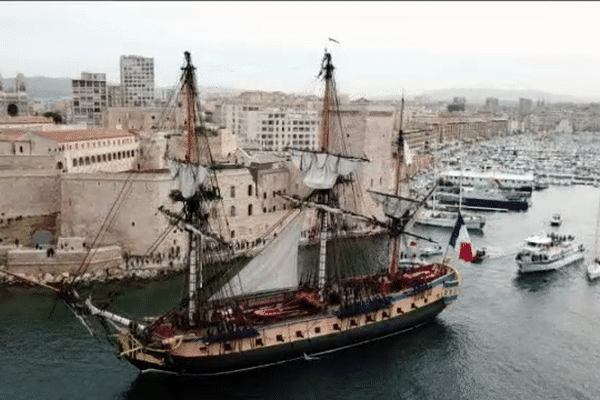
(447, 219)
(593, 267)
(548, 252)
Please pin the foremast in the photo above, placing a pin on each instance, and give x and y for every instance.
(198, 187)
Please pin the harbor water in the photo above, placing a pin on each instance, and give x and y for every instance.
(506, 337)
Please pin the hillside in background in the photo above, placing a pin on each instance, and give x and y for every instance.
(478, 96)
(45, 88)
(41, 88)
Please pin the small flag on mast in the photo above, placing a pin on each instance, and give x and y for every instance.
(461, 236)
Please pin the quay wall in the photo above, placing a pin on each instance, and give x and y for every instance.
(32, 261)
(29, 193)
(126, 204)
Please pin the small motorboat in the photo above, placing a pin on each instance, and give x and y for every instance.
(593, 269)
(480, 255)
(430, 251)
(556, 220)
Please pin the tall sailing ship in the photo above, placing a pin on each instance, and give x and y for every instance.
(264, 314)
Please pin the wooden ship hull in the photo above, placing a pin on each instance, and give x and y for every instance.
(300, 337)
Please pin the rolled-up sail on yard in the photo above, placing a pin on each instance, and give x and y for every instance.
(189, 176)
(321, 170)
(392, 205)
(276, 267)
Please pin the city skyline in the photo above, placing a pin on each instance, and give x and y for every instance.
(384, 47)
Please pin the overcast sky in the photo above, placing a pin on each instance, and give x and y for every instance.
(384, 46)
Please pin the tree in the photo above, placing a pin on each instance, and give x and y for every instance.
(57, 118)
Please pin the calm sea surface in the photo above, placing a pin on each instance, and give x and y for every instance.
(506, 337)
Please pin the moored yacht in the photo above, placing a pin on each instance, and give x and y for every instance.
(447, 219)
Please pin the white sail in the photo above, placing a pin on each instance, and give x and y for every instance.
(321, 170)
(189, 177)
(276, 267)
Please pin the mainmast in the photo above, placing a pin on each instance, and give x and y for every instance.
(327, 73)
(324, 169)
(324, 142)
(394, 256)
(189, 86)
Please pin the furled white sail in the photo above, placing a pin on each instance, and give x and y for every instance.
(321, 170)
(189, 177)
(392, 205)
(276, 267)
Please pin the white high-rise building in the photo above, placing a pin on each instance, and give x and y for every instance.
(89, 99)
(137, 81)
(275, 130)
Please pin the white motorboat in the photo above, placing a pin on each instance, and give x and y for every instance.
(548, 252)
(593, 269)
(556, 220)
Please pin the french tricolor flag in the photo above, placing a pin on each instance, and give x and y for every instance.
(461, 236)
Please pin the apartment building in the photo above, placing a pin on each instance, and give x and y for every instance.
(233, 113)
(276, 130)
(137, 81)
(89, 99)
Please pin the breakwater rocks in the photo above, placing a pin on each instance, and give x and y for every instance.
(85, 280)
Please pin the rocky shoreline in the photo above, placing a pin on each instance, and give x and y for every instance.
(87, 279)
